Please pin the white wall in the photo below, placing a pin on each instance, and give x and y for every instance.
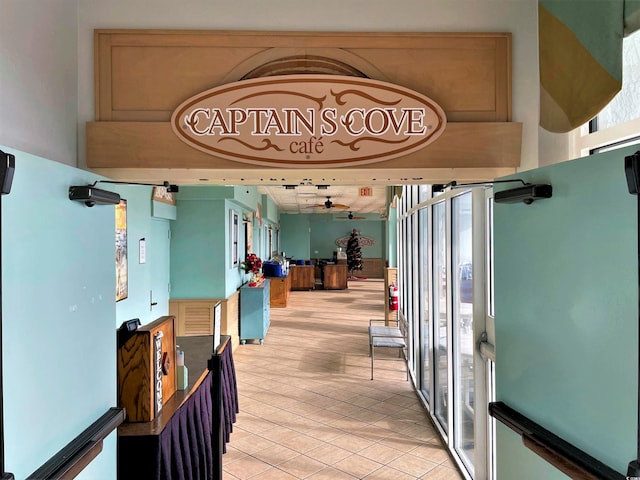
(519, 18)
(38, 77)
(554, 147)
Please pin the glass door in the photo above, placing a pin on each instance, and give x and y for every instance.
(426, 351)
(463, 338)
(445, 249)
(440, 313)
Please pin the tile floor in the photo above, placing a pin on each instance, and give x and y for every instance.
(308, 409)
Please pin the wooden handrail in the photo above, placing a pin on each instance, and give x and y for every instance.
(77, 454)
(225, 339)
(566, 457)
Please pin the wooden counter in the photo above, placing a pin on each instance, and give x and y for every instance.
(302, 277)
(334, 277)
(280, 288)
(191, 422)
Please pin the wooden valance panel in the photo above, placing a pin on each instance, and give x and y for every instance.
(154, 145)
(143, 75)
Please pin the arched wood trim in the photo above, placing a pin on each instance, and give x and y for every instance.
(289, 61)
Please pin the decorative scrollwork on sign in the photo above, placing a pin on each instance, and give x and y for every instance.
(362, 241)
(308, 121)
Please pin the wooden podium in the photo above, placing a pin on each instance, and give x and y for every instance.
(147, 369)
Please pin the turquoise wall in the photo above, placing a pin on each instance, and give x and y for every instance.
(295, 237)
(200, 240)
(325, 231)
(566, 313)
(269, 210)
(200, 263)
(141, 280)
(234, 277)
(198, 252)
(307, 236)
(392, 238)
(59, 316)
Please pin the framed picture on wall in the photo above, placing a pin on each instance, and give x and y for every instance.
(270, 246)
(234, 226)
(122, 266)
(248, 236)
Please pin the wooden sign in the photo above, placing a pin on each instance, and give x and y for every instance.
(298, 121)
(160, 194)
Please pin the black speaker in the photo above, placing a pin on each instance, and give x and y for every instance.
(7, 166)
(632, 171)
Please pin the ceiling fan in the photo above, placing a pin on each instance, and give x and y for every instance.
(328, 204)
(352, 217)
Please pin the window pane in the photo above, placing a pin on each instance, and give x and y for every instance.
(414, 291)
(624, 106)
(462, 251)
(490, 279)
(425, 284)
(440, 312)
(491, 427)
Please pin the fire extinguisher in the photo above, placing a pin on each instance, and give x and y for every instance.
(393, 297)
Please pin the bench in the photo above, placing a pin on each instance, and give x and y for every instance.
(381, 334)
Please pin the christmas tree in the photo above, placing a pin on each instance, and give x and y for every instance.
(354, 257)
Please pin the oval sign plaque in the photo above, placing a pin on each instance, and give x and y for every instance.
(308, 121)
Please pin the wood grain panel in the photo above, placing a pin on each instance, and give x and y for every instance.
(194, 316)
(153, 145)
(143, 75)
(231, 318)
(152, 79)
(279, 291)
(371, 268)
(302, 277)
(198, 320)
(334, 277)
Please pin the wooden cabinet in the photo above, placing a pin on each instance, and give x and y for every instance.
(193, 317)
(255, 312)
(280, 288)
(302, 277)
(334, 277)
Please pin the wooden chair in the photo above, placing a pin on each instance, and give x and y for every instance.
(388, 336)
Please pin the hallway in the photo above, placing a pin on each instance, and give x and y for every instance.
(308, 409)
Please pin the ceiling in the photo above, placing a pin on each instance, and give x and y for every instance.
(370, 200)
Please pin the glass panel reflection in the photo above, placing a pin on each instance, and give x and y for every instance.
(440, 313)
(464, 402)
(425, 284)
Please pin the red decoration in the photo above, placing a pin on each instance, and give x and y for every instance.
(252, 264)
